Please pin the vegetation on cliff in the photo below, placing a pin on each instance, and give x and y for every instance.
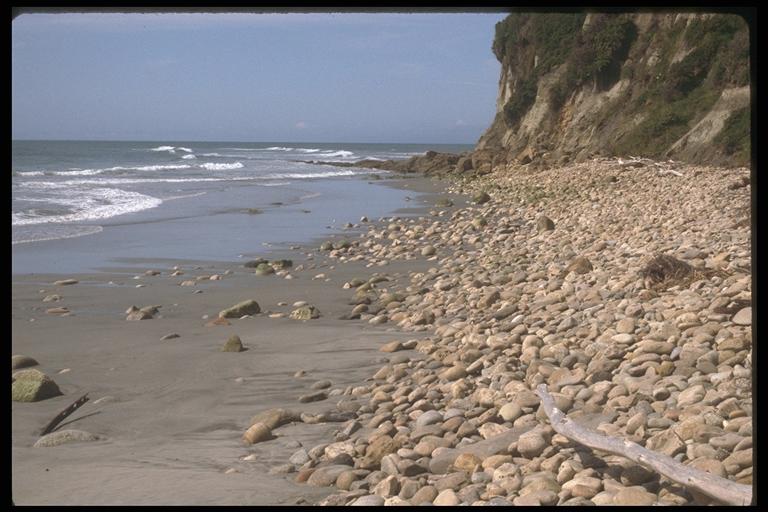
(636, 83)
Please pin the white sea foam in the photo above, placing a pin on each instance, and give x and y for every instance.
(189, 157)
(154, 167)
(298, 175)
(276, 184)
(53, 233)
(221, 167)
(93, 172)
(47, 185)
(338, 154)
(90, 204)
(210, 154)
(170, 149)
(308, 150)
(79, 172)
(186, 150)
(277, 148)
(185, 196)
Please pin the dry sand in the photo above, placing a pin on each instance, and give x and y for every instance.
(172, 412)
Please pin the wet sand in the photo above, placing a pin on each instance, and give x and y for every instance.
(172, 412)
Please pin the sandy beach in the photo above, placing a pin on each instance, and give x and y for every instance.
(172, 412)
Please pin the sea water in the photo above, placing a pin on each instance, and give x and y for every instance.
(83, 205)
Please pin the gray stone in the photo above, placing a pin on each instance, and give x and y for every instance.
(20, 361)
(429, 418)
(326, 475)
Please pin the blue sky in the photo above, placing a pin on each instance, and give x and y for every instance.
(322, 77)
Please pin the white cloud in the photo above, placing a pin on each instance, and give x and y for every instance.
(301, 125)
(460, 122)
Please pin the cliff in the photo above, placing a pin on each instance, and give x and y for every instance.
(576, 85)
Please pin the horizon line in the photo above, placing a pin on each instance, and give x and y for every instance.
(242, 141)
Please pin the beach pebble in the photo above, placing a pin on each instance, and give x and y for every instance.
(313, 397)
(370, 500)
(52, 298)
(170, 336)
(65, 436)
(66, 282)
(321, 384)
(257, 433)
(743, 317)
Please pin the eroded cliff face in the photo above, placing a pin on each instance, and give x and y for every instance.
(576, 85)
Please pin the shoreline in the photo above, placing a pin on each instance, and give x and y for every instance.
(230, 231)
(162, 399)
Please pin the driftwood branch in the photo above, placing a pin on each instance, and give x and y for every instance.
(720, 489)
(63, 414)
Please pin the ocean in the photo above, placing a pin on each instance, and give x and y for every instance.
(79, 206)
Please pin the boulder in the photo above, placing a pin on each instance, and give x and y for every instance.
(32, 386)
(233, 344)
(20, 361)
(247, 307)
(264, 269)
(281, 264)
(305, 313)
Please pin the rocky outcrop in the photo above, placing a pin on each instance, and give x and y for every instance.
(577, 85)
(430, 163)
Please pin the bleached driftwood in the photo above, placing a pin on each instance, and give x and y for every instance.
(63, 414)
(662, 167)
(720, 489)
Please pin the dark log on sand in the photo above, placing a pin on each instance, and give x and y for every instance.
(719, 489)
(63, 414)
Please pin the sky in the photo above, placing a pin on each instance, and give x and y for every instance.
(320, 77)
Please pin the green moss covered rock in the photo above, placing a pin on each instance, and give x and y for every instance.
(247, 307)
(33, 386)
(264, 269)
(233, 344)
(305, 313)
